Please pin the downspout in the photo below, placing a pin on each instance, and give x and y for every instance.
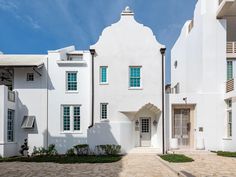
(92, 51)
(162, 50)
(47, 104)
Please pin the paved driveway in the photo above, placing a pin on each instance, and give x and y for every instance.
(207, 165)
(133, 165)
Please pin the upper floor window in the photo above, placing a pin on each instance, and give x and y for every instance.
(134, 76)
(30, 77)
(103, 75)
(229, 70)
(74, 57)
(71, 118)
(71, 81)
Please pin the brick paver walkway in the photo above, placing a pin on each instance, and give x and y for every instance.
(207, 165)
(133, 165)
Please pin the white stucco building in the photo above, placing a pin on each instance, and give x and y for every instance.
(109, 94)
(203, 103)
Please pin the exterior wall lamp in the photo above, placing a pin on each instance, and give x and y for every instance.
(155, 123)
(136, 122)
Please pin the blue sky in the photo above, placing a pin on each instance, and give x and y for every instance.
(36, 26)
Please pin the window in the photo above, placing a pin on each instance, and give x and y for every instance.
(28, 122)
(30, 77)
(103, 111)
(10, 125)
(71, 118)
(66, 118)
(229, 117)
(74, 57)
(77, 118)
(103, 74)
(229, 70)
(135, 77)
(229, 123)
(71, 81)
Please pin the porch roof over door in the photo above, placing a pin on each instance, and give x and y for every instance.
(149, 107)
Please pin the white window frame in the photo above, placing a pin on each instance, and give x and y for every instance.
(100, 75)
(101, 111)
(30, 77)
(141, 76)
(229, 123)
(66, 81)
(71, 118)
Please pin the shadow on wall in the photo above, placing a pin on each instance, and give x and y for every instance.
(40, 82)
(99, 134)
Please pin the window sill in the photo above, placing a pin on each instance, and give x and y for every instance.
(135, 88)
(3, 143)
(105, 83)
(71, 132)
(72, 92)
(104, 120)
(227, 138)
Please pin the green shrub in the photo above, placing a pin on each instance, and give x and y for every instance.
(70, 152)
(176, 158)
(82, 149)
(108, 149)
(226, 154)
(51, 150)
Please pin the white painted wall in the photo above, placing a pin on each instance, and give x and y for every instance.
(32, 101)
(201, 72)
(123, 44)
(58, 96)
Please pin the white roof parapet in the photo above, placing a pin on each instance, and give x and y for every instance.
(22, 60)
(127, 11)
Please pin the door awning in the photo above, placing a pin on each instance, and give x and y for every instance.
(149, 107)
(22, 60)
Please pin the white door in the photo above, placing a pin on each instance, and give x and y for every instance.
(182, 127)
(145, 133)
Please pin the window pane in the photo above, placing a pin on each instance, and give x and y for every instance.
(229, 70)
(10, 125)
(103, 111)
(71, 81)
(66, 118)
(134, 80)
(229, 126)
(103, 73)
(77, 118)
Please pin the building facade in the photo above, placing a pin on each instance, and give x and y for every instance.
(202, 103)
(109, 94)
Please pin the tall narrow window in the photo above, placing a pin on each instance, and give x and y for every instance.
(135, 77)
(103, 111)
(66, 118)
(229, 123)
(229, 117)
(10, 125)
(103, 75)
(76, 118)
(71, 81)
(229, 70)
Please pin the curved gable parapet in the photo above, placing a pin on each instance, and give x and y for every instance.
(127, 30)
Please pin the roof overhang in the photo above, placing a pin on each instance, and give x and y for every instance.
(7, 61)
(226, 8)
